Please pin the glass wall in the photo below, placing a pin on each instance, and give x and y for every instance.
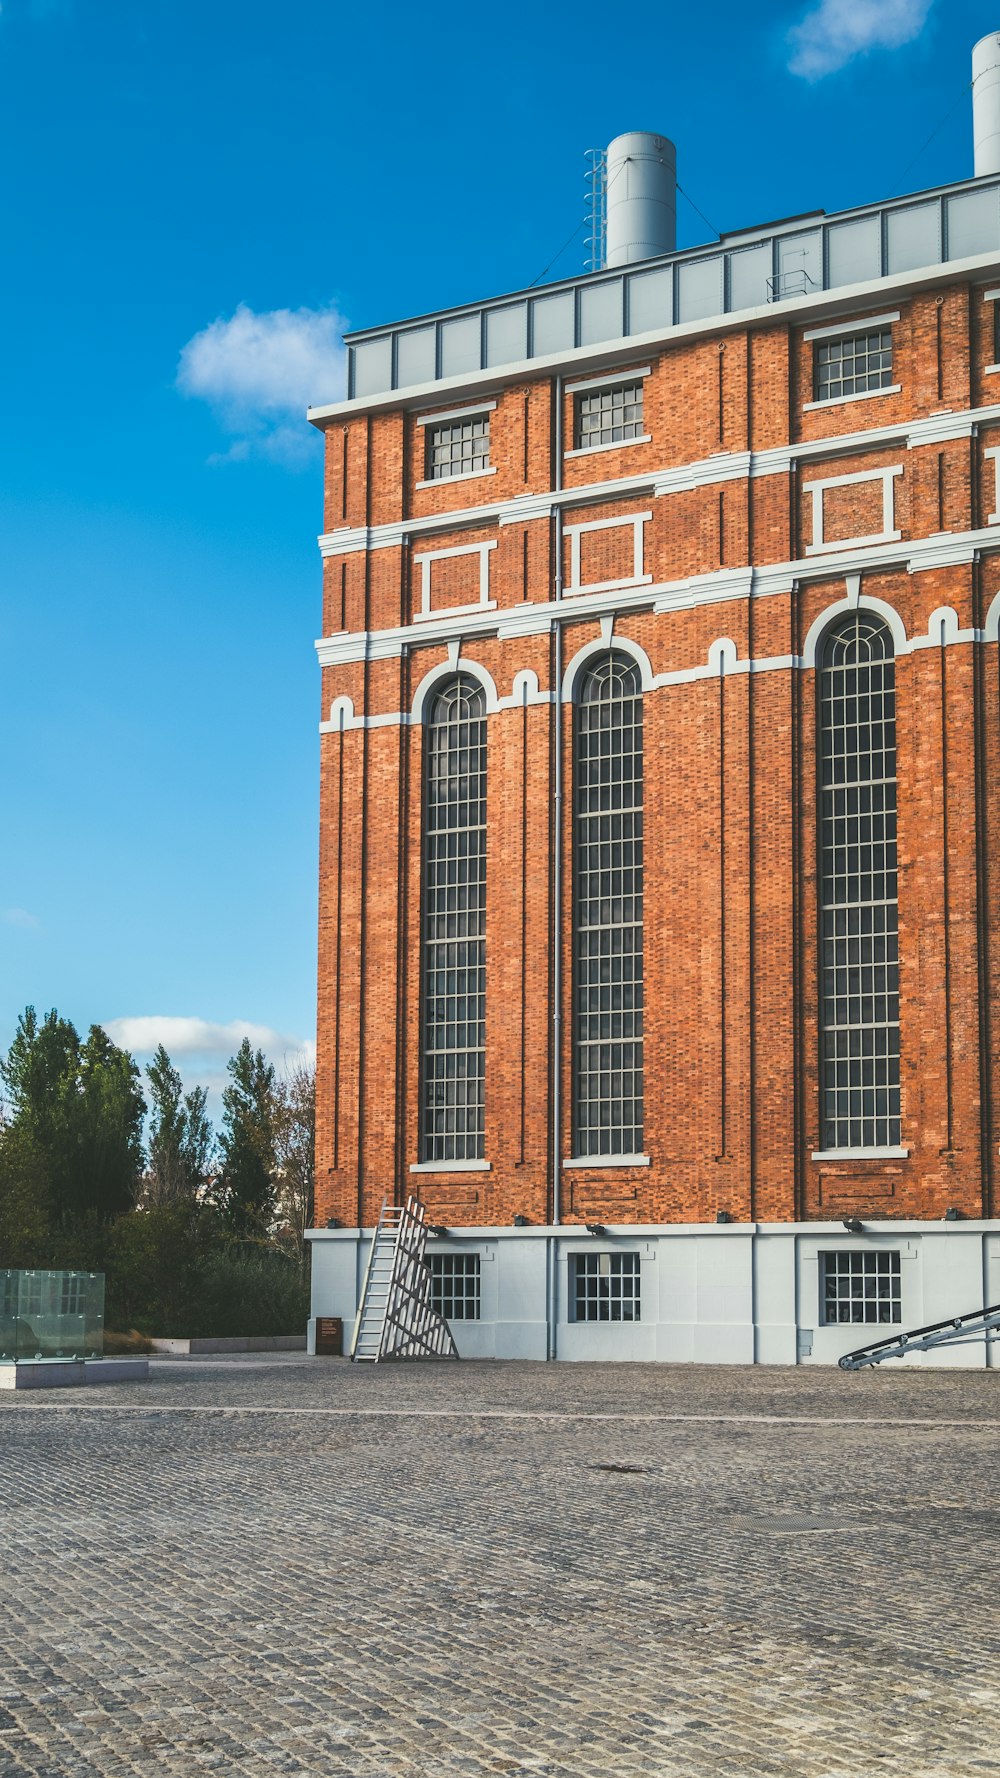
(51, 1315)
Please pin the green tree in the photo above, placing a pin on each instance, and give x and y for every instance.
(80, 1107)
(295, 1145)
(247, 1187)
(181, 1138)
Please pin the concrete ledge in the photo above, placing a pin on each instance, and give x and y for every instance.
(249, 1343)
(72, 1373)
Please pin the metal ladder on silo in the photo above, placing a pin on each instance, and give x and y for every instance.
(395, 1318)
(961, 1330)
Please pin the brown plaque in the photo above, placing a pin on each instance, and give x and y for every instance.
(329, 1336)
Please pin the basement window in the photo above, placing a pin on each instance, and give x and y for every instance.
(605, 1286)
(455, 1285)
(458, 447)
(853, 364)
(608, 416)
(859, 1287)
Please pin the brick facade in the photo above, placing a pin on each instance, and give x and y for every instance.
(731, 958)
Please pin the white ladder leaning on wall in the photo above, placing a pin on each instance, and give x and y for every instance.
(395, 1318)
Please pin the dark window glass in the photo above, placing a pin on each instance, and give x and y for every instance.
(455, 1285)
(859, 1287)
(853, 365)
(859, 941)
(606, 1286)
(457, 447)
(607, 845)
(454, 925)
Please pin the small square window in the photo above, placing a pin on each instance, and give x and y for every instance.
(605, 1286)
(457, 447)
(859, 1288)
(608, 416)
(455, 1285)
(853, 364)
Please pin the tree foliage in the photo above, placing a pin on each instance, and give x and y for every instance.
(246, 1191)
(181, 1138)
(295, 1150)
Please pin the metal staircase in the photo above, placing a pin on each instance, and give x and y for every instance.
(395, 1318)
(961, 1330)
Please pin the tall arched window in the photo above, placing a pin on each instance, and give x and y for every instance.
(859, 939)
(607, 892)
(453, 1073)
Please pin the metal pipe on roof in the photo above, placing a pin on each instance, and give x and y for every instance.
(986, 104)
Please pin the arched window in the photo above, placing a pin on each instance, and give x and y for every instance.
(859, 938)
(607, 894)
(453, 1073)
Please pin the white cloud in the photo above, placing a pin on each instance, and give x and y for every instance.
(20, 918)
(836, 31)
(204, 1039)
(259, 373)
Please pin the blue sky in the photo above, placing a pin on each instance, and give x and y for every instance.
(193, 195)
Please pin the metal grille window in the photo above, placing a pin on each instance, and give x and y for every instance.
(458, 447)
(859, 935)
(858, 1287)
(607, 844)
(608, 416)
(454, 925)
(853, 364)
(606, 1286)
(455, 1285)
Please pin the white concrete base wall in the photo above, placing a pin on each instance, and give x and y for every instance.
(72, 1373)
(731, 1294)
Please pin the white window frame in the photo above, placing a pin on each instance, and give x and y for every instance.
(482, 409)
(582, 386)
(574, 532)
(427, 558)
(819, 544)
(842, 330)
(993, 518)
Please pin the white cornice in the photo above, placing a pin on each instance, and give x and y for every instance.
(724, 466)
(718, 587)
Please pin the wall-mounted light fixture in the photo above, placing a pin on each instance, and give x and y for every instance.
(437, 1228)
(853, 1225)
(952, 1214)
(520, 1222)
(333, 1222)
(596, 1228)
(723, 1216)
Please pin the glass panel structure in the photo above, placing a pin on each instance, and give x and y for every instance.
(454, 925)
(853, 365)
(459, 447)
(51, 1315)
(607, 850)
(859, 1287)
(859, 938)
(455, 1285)
(608, 416)
(606, 1286)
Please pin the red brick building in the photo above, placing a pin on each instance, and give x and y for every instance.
(659, 883)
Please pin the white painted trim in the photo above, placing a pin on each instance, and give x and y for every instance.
(901, 285)
(841, 329)
(990, 296)
(618, 523)
(626, 375)
(444, 670)
(810, 407)
(450, 1167)
(466, 475)
(991, 628)
(991, 370)
(428, 557)
(993, 518)
(818, 488)
(860, 1154)
(441, 416)
(854, 601)
(607, 1160)
(622, 645)
(621, 444)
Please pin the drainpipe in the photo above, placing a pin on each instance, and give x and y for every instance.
(557, 880)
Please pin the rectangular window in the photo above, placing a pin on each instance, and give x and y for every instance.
(853, 364)
(859, 1287)
(606, 1286)
(608, 416)
(455, 1285)
(457, 447)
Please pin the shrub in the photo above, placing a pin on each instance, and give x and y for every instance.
(240, 1291)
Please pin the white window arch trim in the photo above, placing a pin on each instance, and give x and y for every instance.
(576, 668)
(444, 670)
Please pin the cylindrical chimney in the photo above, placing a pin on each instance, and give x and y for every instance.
(986, 104)
(641, 197)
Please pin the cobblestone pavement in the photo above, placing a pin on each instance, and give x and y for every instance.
(284, 1566)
